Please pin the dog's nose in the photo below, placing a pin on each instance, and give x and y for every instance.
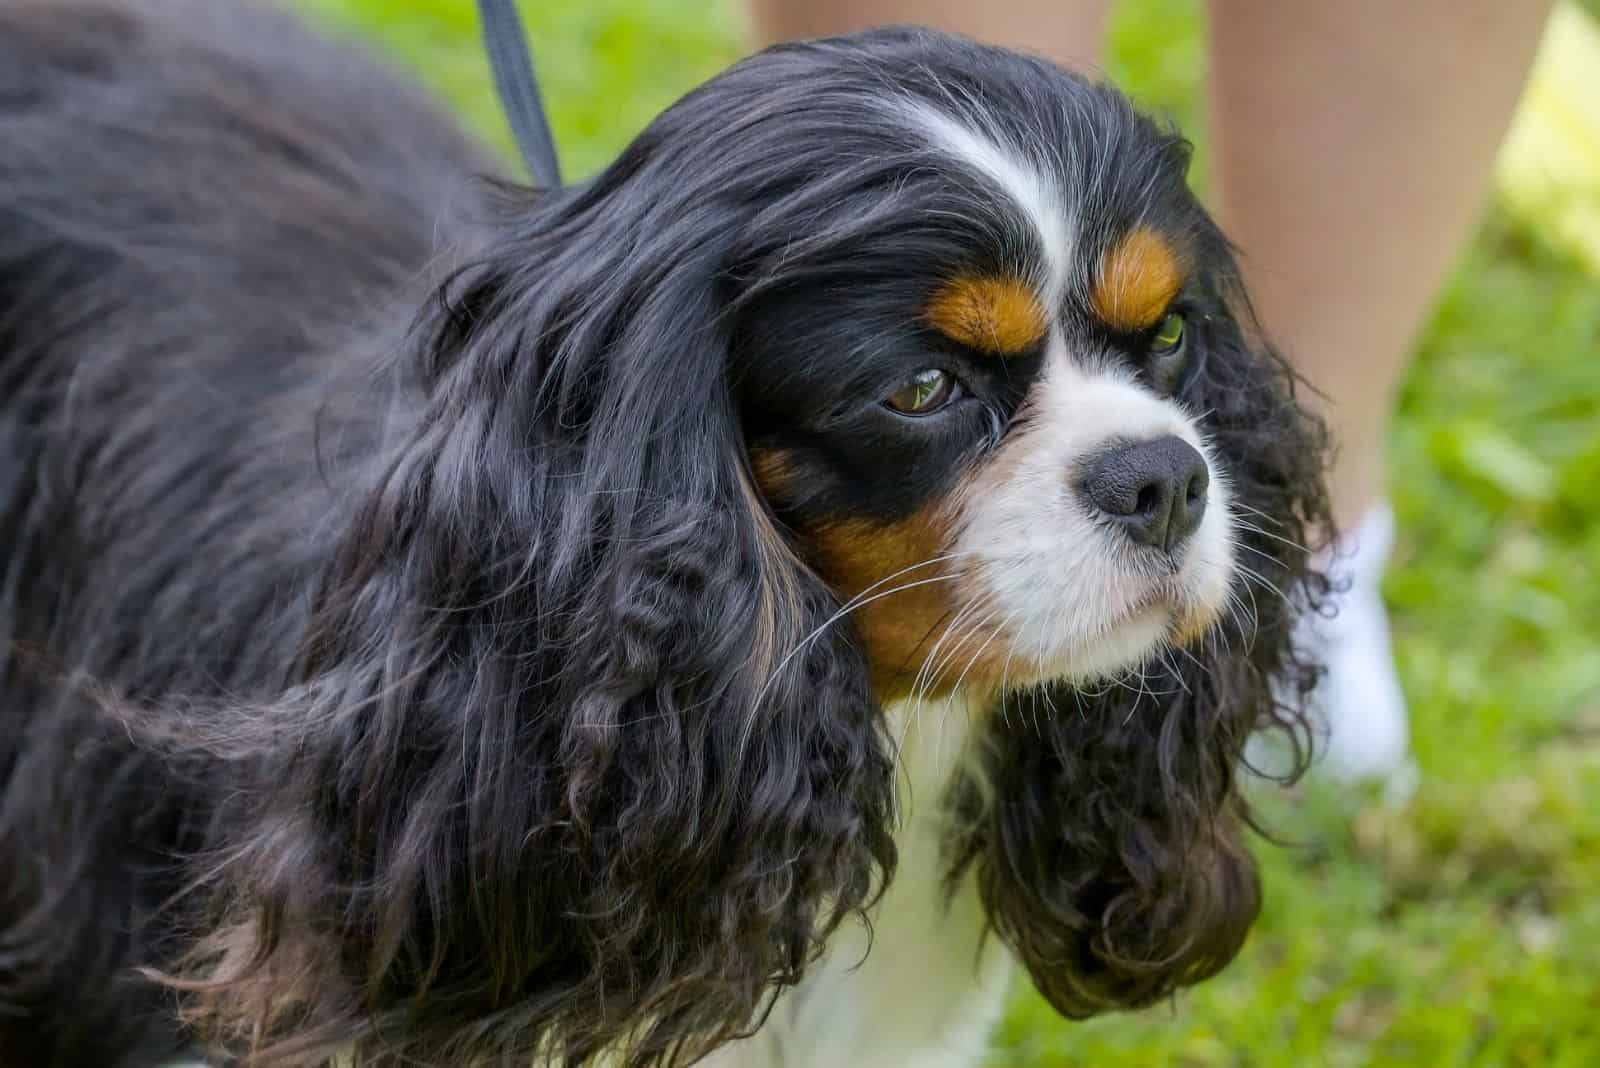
(1155, 490)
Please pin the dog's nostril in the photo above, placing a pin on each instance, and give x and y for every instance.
(1148, 501)
(1154, 490)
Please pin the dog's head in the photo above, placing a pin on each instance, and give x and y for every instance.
(875, 368)
(1000, 382)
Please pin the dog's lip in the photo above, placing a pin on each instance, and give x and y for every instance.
(1136, 631)
(1164, 613)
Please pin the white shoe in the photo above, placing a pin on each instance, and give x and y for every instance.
(1358, 711)
(1358, 708)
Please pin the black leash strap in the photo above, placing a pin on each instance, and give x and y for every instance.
(507, 45)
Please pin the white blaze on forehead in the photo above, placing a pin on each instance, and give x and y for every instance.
(1036, 193)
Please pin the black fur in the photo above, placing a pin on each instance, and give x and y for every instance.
(422, 681)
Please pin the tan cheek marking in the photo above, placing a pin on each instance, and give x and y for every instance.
(773, 470)
(1000, 316)
(853, 555)
(1137, 281)
(904, 620)
(899, 628)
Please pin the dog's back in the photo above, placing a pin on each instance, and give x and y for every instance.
(197, 202)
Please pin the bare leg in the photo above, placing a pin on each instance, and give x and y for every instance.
(1071, 32)
(1355, 142)
(1354, 147)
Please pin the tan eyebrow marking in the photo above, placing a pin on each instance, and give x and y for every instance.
(1137, 280)
(994, 314)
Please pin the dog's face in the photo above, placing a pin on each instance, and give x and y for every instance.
(982, 419)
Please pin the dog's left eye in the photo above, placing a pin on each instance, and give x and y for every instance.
(925, 393)
(1167, 355)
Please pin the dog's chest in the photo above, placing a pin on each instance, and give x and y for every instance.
(929, 991)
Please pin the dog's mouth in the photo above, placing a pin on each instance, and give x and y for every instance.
(1169, 615)
(981, 647)
(1127, 640)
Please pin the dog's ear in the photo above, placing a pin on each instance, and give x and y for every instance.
(1104, 837)
(1115, 865)
(573, 763)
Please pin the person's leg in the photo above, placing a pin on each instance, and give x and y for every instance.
(1072, 32)
(1354, 143)
(1354, 147)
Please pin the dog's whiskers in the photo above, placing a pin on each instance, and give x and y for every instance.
(1252, 528)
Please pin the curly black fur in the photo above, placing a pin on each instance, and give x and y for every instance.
(438, 691)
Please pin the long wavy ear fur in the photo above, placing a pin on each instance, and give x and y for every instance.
(1113, 861)
(564, 768)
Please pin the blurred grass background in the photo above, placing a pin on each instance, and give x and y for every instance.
(1464, 927)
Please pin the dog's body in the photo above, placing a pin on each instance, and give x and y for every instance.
(376, 681)
(137, 218)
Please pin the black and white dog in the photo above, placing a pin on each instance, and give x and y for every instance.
(736, 605)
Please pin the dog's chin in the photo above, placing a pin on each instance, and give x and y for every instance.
(1158, 620)
(1125, 643)
(1157, 625)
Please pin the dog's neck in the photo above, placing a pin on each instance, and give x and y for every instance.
(924, 987)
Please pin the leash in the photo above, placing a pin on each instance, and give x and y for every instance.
(518, 86)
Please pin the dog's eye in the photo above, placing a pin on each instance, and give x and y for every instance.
(1167, 356)
(1168, 337)
(925, 393)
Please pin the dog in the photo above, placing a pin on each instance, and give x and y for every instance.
(736, 608)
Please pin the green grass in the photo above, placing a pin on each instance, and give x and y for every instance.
(1464, 928)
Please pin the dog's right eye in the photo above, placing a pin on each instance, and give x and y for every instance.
(925, 393)
(1168, 338)
(1169, 353)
